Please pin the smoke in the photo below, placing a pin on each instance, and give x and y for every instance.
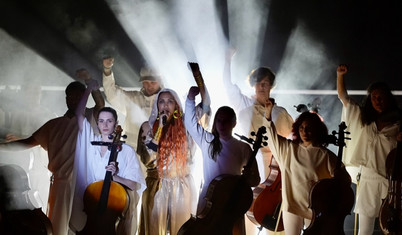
(247, 24)
(308, 66)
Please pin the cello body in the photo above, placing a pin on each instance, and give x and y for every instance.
(332, 199)
(390, 217)
(105, 200)
(266, 207)
(103, 222)
(227, 200)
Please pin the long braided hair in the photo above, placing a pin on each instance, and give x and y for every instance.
(320, 130)
(172, 145)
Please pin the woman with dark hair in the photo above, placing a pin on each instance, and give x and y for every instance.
(374, 128)
(303, 161)
(222, 154)
(320, 129)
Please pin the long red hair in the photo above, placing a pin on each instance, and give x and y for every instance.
(172, 146)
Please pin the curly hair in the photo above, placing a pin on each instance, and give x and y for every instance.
(369, 114)
(216, 146)
(172, 146)
(319, 130)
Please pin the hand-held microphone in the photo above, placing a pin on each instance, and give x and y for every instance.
(164, 120)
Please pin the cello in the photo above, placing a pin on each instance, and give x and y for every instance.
(105, 200)
(266, 207)
(390, 217)
(228, 198)
(332, 199)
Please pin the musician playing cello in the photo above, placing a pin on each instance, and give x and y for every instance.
(222, 154)
(303, 161)
(91, 161)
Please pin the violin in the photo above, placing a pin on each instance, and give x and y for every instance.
(266, 207)
(228, 199)
(331, 200)
(105, 200)
(390, 217)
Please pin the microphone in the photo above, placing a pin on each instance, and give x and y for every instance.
(164, 120)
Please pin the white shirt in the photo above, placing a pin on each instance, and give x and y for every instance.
(233, 156)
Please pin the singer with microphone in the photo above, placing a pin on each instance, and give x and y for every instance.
(166, 149)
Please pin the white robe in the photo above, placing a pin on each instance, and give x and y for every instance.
(90, 167)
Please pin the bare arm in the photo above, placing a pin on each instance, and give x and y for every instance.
(227, 77)
(99, 101)
(107, 65)
(80, 110)
(114, 170)
(342, 92)
(269, 105)
(84, 75)
(129, 183)
(21, 144)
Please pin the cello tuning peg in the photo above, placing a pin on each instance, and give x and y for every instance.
(253, 133)
(265, 143)
(265, 138)
(124, 136)
(110, 136)
(348, 138)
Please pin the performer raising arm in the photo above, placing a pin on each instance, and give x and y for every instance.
(374, 129)
(222, 154)
(302, 161)
(91, 161)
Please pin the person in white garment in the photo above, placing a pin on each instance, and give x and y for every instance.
(222, 153)
(303, 161)
(170, 197)
(374, 130)
(92, 161)
(58, 137)
(136, 106)
(251, 112)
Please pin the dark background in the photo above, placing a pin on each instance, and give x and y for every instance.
(365, 35)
